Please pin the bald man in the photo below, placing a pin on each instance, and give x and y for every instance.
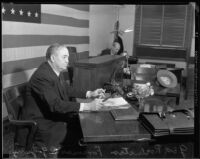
(47, 100)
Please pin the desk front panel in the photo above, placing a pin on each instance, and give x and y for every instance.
(139, 150)
(90, 74)
(101, 127)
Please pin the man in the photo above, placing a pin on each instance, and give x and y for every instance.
(120, 41)
(113, 51)
(47, 99)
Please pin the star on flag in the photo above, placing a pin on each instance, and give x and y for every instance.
(12, 11)
(3, 10)
(21, 12)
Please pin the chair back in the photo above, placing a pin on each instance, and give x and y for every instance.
(14, 100)
(73, 57)
(178, 73)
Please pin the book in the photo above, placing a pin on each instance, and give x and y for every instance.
(125, 114)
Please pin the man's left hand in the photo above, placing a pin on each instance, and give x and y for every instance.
(100, 93)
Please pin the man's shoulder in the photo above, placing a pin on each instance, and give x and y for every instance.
(43, 69)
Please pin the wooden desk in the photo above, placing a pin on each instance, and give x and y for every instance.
(105, 137)
(92, 73)
(101, 127)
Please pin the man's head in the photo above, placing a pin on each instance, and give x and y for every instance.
(58, 56)
(115, 48)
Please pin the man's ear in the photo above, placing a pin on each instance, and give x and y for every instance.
(52, 58)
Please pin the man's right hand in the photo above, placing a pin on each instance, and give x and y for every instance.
(95, 105)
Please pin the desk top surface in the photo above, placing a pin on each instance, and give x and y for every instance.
(98, 60)
(101, 127)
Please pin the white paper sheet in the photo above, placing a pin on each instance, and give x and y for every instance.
(117, 102)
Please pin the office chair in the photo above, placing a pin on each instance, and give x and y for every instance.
(14, 100)
(73, 57)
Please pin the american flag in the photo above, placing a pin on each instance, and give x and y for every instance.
(21, 12)
(28, 30)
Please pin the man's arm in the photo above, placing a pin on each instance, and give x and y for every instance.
(44, 87)
(73, 92)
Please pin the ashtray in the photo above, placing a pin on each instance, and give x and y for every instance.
(131, 96)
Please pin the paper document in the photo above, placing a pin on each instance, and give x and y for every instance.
(116, 103)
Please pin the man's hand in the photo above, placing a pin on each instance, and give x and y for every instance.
(98, 93)
(95, 105)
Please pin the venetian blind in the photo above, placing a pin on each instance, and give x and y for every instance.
(161, 25)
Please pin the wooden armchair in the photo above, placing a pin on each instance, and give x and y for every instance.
(14, 100)
(178, 74)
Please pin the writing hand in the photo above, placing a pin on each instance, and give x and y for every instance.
(100, 93)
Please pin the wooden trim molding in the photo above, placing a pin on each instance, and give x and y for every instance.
(191, 60)
(161, 53)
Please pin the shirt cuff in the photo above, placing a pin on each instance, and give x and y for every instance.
(81, 107)
(88, 94)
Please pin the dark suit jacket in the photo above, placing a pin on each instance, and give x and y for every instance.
(46, 97)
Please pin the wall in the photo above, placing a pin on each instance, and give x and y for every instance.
(102, 20)
(24, 44)
(127, 20)
(193, 34)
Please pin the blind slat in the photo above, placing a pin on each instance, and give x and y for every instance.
(158, 28)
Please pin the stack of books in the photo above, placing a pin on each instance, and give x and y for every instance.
(125, 114)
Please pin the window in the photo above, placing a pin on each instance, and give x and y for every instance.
(162, 26)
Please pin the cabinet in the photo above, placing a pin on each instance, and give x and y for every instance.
(92, 73)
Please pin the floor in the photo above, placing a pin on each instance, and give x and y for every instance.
(8, 133)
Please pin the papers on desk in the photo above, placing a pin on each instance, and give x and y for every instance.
(115, 103)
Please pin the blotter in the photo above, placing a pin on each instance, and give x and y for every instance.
(125, 114)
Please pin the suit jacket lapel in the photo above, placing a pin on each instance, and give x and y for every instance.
(59, 86)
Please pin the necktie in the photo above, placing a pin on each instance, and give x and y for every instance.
(62, 83)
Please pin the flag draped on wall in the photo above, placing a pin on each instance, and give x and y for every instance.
(28, 30)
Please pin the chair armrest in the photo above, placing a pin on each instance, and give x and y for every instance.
(23, 122)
